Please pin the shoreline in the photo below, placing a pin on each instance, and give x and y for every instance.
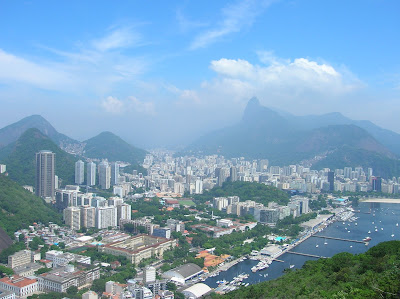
(381, 200)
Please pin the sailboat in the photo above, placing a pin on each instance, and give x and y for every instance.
(397, 224)
(325, 243)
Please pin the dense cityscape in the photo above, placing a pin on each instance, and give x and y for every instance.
(113, 218)
(199, 149)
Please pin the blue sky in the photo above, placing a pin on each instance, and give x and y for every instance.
(164, 72)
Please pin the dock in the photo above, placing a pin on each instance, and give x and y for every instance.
(306, 254)
(276, 260)
(340, 239)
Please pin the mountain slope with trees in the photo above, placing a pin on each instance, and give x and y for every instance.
(109, 146)
(20, 158)
(19, 208)
(284, 139)
(12, 132)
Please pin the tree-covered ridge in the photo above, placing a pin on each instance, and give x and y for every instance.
(374, 274)
(246, 191)
(19, 208)
(20, 160)
(351, 157)
(110, 146)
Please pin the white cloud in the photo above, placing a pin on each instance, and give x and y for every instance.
(94, 68)
(284, 76)
(118, 38)
(234, 18)
(17, 69)
(112, 105)
(142, 107)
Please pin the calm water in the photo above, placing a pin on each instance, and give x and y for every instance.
(383, 215)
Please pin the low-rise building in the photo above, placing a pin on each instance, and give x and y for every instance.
(21, 286)
(139, 247)
(60, 279)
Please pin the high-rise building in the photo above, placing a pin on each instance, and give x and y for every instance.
(45, 176)
(88, 216)
(91, 174)
(72, 217)
(79, 172)
(114, 173)
(377, 184)
(331, 180)
(233, 174)
(124, 211)
(3, 168)
(105, 217)
(199, 187)
(149, 274)
(104, 175)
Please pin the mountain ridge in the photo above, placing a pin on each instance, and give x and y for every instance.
(286, 139)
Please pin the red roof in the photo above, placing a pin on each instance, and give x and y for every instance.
(18, 281)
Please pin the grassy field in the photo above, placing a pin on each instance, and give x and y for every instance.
(187, 202)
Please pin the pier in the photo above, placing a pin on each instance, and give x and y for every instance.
(306, 254)
(340, 239)
(276, 260)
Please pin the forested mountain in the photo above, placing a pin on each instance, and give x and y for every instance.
(284, 139)
(11, 133)
(374, 274)
(20, 158)
(110, 146)
(19, 208)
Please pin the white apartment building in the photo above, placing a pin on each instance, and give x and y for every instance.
(72, 217)
(105, 217)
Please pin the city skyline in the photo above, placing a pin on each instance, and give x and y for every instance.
(195, 63)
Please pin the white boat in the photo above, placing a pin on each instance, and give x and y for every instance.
(392, 235)
(369, 231)
(317, 245)
(397, 224)
(291, 266)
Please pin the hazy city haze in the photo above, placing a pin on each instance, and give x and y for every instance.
(163, 73)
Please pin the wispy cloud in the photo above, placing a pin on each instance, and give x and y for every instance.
(14, 69)
(186, 25)
(95, 67)
(118, 38)
(235, 17)
(112, 105)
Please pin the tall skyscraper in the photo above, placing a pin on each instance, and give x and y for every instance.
(91, 174)
(45, 177)
(79, 172)
(331, 180)
(104, 175)
(114, 173)
(233, 174)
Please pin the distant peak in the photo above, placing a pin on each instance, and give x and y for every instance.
(253, 102)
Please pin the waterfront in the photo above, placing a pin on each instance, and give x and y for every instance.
(383, 216)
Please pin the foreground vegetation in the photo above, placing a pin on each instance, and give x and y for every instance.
(19, 208)
(373, 274)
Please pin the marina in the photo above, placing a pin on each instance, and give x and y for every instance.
(340, 240)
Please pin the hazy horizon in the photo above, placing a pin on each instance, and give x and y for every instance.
(165, 76)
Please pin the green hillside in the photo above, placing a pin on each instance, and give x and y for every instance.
(246, 191)
(374, 274)
(109, 146)
(351, 157)
(20, 158)
(19, 208)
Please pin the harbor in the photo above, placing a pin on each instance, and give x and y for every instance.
(325, 241)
